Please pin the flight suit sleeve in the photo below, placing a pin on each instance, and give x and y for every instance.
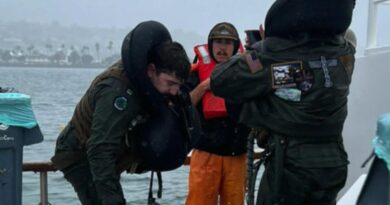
(241, 79)
(114, 109)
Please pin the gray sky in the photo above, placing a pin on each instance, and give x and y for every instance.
(197, 16)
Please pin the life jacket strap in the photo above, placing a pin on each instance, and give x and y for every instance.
(151, 199)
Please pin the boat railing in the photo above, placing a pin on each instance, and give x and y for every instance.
(371, 43)
(44, 167)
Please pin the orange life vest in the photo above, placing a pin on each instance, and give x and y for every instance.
(213, 106)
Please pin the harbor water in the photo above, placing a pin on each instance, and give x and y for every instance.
(54, 93)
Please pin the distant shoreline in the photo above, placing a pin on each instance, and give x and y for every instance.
(50, 65)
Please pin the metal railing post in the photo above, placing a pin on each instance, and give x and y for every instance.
(44, 192)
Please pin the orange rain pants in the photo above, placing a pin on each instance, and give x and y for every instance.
(212, 175)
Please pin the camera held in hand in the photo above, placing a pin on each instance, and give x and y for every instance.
(252, 36)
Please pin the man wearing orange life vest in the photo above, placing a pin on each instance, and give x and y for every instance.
(218, 162)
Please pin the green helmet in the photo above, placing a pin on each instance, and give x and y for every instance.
(223, 30)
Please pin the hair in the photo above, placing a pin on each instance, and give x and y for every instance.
(350, 36)
(170, 58)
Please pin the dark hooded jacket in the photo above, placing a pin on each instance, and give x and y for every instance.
(223, 135)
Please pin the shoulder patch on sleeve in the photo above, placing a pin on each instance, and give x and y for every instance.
(253, 62)
(120, 103)
(283, 74)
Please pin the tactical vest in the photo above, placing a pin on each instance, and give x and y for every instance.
(82, 117)
(310, 83)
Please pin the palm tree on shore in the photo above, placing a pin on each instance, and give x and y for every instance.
(97, 48)
(30, 49)
(49, 48)
(110, 46)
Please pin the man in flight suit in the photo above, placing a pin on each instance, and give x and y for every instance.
(90, 148)
(295, 86)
